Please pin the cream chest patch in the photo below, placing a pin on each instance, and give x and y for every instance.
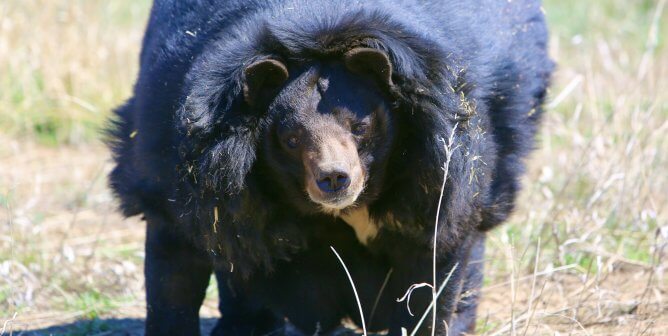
(365, 228)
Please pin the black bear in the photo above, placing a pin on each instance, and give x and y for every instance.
(263, 138)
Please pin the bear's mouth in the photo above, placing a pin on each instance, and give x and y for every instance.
(334, 204)
(334, 176)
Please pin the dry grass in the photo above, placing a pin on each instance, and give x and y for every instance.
(65, 64)
(583, 255)
(596, 193)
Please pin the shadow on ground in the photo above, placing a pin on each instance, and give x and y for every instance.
(131, 327)
(102, 327)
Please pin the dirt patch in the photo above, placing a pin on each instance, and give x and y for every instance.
(624, 302)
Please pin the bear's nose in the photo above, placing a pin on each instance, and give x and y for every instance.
(333, 181)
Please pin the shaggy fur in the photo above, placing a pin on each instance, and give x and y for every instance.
(189, 157)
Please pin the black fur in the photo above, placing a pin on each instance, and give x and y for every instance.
(189, 157)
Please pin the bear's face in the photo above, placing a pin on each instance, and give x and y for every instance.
(329, 128)
(329, 137)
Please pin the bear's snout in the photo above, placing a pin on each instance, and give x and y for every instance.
(334, 174)
(332, 179)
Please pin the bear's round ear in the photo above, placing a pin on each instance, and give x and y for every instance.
(262, 79)
(370, 61)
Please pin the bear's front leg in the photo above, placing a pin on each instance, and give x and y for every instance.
(241, 316)
(176, 279)
(451, 265)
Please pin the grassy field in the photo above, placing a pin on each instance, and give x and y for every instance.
(584, 254)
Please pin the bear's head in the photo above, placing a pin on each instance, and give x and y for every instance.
(351, 126)
(329, 127)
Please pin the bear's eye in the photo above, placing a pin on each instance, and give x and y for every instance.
(359, 128)
(292, 141)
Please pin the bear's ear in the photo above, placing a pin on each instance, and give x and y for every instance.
(370, 61)
(262, 79)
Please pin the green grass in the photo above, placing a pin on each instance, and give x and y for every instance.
(92, 303)
(92, 326)
(591, 19)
